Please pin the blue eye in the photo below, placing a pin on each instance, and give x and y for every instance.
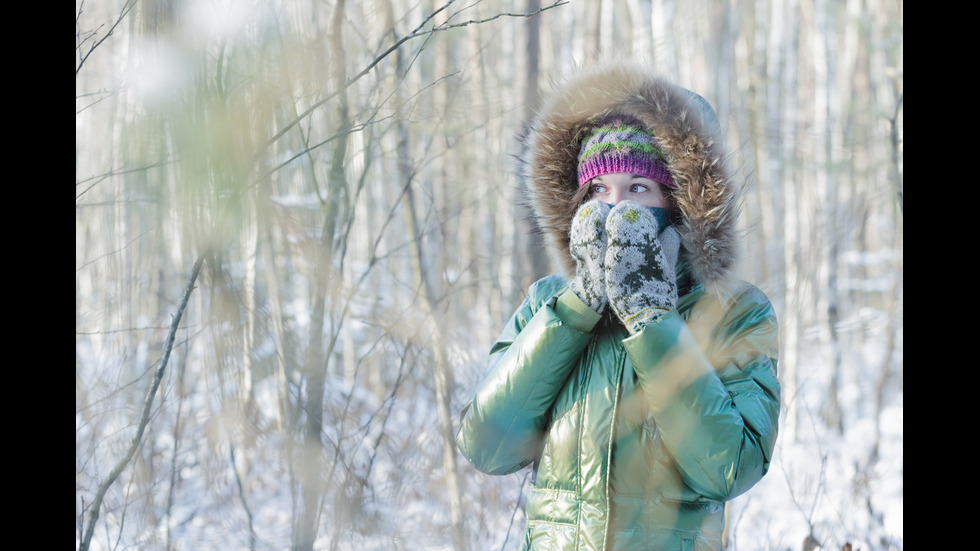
(638, 188)
(598, 188)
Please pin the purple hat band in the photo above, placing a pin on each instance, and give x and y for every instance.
(622, 145)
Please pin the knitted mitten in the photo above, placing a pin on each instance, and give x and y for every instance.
(640, 280)
(588, 248)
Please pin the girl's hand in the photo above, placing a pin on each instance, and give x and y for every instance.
(639, 267)
(588, 248)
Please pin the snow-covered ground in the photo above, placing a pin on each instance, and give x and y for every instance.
(832, 485)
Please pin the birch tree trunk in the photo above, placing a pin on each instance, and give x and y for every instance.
(441, 371)
(324, 292)
(824, 96)
(785, 49)
(532, 263)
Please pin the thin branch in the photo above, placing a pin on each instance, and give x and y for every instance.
(126, 330)
(309, 148)
(103, 95)
(417, 32)
(518, 505)
(173, 456)
(893, 121)
(102, 177)
(147, 406)
(110, 253)
(241, 496)
(122, 13)
(351, 130)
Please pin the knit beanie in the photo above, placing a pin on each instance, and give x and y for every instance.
(622, 144)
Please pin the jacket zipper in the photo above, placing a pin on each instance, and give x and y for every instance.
(621, 361)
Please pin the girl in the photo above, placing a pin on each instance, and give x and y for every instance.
(640, 381)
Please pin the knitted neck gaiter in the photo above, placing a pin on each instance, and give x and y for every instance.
(660, 214)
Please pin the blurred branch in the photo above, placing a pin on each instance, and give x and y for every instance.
(442, 371)
(126, 330)
(102, 95)
(91, 35)
(110, 253)
(145, 416)
(417, 32)
(893, 121)
(241, 495)
(309, 149)
(518, 506)
(354, 484)
(810, 542)
(176, 437)
(102, 177)
(347, 131)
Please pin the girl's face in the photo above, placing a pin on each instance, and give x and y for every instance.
(620, 186)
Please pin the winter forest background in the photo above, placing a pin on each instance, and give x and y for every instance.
(298, 232)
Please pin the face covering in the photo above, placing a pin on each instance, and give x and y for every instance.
(660, 214)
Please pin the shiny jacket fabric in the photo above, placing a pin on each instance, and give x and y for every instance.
(635, 441)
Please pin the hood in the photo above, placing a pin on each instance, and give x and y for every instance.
(689, 136)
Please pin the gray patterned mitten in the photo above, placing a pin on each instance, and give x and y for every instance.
(640, 280)
(588, 248)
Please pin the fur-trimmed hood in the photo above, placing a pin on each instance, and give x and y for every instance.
(688, 134)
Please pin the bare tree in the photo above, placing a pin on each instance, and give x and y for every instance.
(346, 172)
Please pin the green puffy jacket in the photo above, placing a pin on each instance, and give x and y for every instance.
(635, 441)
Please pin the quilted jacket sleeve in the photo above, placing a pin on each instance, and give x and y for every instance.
(502, 427)
(711, 384)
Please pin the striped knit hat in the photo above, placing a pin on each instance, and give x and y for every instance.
(621, 144)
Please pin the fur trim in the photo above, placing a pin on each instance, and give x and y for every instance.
(688, 134)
